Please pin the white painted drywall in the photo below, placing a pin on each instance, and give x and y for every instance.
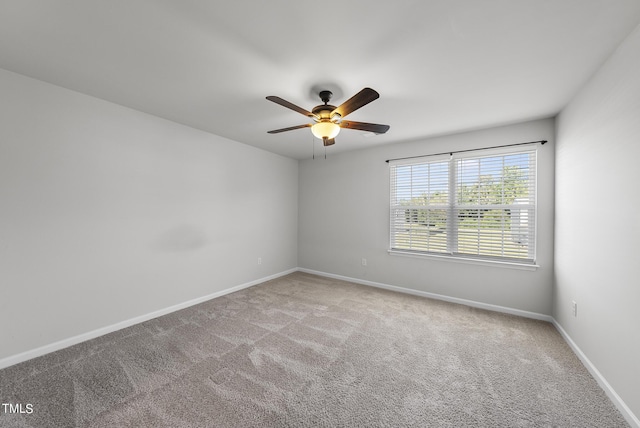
(597, 242)
(107, 213)
(344, 217)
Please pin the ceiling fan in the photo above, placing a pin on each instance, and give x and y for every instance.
(329, 119)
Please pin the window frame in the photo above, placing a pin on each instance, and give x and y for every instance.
(453, 160)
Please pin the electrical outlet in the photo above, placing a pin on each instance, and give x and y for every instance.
(259, 260)
(364, 262)
(574, 308)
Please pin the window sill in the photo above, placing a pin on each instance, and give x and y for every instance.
(458, 259)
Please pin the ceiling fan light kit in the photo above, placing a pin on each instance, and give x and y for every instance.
(328, 118)
(326, 129)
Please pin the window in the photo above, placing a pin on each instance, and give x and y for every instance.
(479, 205)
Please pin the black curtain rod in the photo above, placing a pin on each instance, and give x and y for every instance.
(469, 150)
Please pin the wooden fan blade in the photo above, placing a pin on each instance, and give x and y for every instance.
(360, 99)
(291, 128)
(363, 126)
(328, 141)
(292, 106)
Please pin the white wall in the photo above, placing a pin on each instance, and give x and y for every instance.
(107, 213)
(344, 217)
(597, 245)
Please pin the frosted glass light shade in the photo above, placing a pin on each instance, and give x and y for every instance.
(325, 130)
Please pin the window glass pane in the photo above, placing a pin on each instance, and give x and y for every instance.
(491, 215)
(421, 229)
(420, 200)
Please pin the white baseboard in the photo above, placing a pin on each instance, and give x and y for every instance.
(472, 303)
(611, 393)
(613, 396)
(65, 343)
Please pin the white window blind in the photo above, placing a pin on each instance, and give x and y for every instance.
(471, 205)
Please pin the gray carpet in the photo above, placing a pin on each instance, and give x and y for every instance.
(306, 351)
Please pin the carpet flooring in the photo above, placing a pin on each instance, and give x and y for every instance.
(308, 351)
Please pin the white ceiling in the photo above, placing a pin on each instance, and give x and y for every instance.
(440, 66)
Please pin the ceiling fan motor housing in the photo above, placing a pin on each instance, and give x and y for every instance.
(323, 111)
